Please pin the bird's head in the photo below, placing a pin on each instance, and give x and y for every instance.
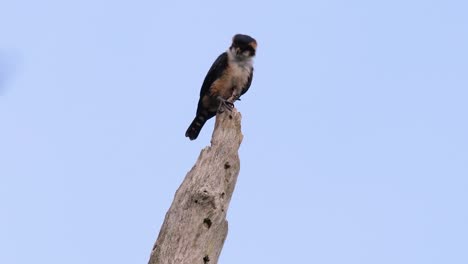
(243, 46)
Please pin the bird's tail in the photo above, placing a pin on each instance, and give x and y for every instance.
(195, 127)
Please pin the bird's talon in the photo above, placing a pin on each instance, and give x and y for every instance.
(225, 104)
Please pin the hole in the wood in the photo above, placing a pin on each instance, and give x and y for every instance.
(230, 116)
(222, 195)
(196, 201)
(227, 165)
(206, 259)
(207, 222)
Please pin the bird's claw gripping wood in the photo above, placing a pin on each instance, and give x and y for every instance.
(225, 104)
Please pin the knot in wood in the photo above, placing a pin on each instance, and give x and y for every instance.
(203, 197)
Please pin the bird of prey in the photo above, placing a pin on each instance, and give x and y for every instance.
(229, 77)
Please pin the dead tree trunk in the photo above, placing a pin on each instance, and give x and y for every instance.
(195, 226)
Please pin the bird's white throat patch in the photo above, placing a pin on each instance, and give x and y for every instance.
(240, 59)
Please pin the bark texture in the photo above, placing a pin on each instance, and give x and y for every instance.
(195, 226)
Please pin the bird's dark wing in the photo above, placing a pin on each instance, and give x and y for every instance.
(249, 82)
(214, 73)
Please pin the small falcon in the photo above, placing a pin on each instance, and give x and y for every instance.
(229, 77)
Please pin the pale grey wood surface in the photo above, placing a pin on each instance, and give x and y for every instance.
(195, 226)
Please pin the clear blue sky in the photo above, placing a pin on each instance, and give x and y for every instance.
(355, 128)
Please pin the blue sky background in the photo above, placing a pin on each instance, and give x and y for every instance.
(355, 128)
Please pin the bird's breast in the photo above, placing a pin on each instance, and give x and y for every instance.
(234, 78)
(239, 74)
